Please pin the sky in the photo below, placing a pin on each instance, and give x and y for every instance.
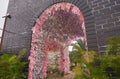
(3, 11)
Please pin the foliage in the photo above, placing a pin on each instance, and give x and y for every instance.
(97, 71)
(91, 66)
(81, 72)
(77, 52)
(11, 66)
(87, 68)
(99, 68)
(113, 63)
(62, 74)
(113, 47)
(81, 43)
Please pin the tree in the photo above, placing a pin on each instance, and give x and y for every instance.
(77, 51)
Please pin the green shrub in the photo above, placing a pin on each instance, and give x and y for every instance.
(11, 66)
(112, 62)
(91, 66)
(81, 72)
(113, 46)
(106, 68)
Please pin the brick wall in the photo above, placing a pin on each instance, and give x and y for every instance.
(107, 19)
(102, 19)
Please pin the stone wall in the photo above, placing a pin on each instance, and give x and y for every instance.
(107, 19)
(102, 19)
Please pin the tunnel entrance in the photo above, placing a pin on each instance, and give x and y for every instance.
(55, 29)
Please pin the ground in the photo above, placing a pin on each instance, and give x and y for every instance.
(58, 76)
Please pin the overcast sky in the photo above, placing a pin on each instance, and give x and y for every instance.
(3, 10)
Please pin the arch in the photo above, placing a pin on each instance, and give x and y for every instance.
(39, 22)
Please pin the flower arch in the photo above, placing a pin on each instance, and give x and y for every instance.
(54, 30)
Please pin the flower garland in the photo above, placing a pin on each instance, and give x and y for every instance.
(53, 28)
